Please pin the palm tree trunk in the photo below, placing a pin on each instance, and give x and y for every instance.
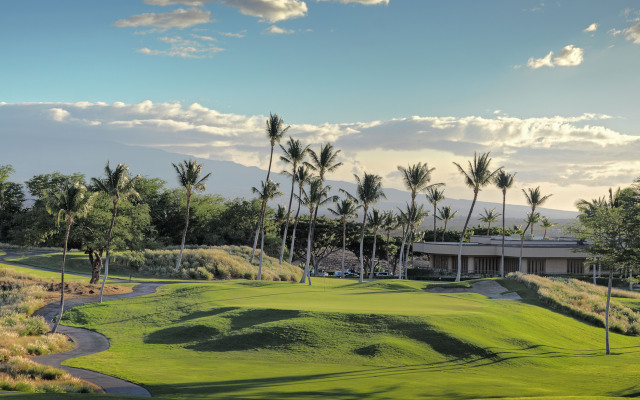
(64, 258)
(606, 313)
(504, 201)
(293, 234)
(373, 254)
(344, 243)
(445, 229)
(286, 225)
(406, 257)
(261, 216)
(489, 229)
(106, 264)
(387, 248)
(522, 247)
(545, 234)
(434, 223)
(306, 274)
(404, 238)
(184, 234)
(364, 222)
(261, 252)
(464, 230)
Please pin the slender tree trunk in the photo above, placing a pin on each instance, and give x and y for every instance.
(606, 315)
(261, 251)
(630, 279)
(593, 266)
(184, 234)
(64, 258)
(387, 247)
(522, 247)
(545, 234)
(404, 238)
(406, 257)
(96, 266)
(445, 229)
(373, 254)
(464, 230)
(307, 270)
(434, 222)
(344, 243)
(106, 264)
(504, 201)
(293, 234)
(364, 222)
(286, 225)
(261, 216)
(489, 229)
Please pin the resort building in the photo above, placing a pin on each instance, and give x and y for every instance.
(482, 255)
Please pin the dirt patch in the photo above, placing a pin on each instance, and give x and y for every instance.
(74, 290)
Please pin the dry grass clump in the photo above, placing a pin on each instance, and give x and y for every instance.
(584, 301)
(23, 375)
(222, 262)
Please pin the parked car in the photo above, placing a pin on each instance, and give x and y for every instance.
(383, 273)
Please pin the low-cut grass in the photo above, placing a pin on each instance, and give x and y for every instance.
(338, 339)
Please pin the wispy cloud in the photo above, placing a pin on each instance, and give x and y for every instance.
(240, 34)
(614, 32)
(179, 18)
(569, 56)
(276, 30)
(184, 48)
(633, 33)
(365, 2)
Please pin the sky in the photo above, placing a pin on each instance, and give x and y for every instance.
(550, 88)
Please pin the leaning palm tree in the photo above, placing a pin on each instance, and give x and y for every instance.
(71, 202)
(376, 221)
(434, 196)
(345, 209)
(535, 199)
(266, 192)
(275, 130)
(368, 192)
(294, 155)
(446, 214)
(489, 217)
(503, 181)
(117, 185)
(189, 177)
(477, 175)
(545, 222)
(390, 223)
(303, 176)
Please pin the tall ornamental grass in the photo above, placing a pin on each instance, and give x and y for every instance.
(584, 301)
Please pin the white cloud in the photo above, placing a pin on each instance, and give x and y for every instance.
(569, 56)
(614, 32)
(592, 28)
(276, 30)
(172, 2)
(269, 10)
(365, 2)
(179, 18)
(633, 33)
(59, 114)
(184, 48)
(240, 34)
(205, 38)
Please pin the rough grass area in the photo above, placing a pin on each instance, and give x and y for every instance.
(23, 375)
(585, 301)
(223, 262)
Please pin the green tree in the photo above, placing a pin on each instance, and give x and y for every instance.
(117, 185)
(67, 204)
(267, 191)
(446, 214)
(477, 175)
(390, 223)
(434, 196)
(344, 209)
(376, 221)
(189, 174)
(489, 217)
(11, 202)
(535, 199)
(503, 181)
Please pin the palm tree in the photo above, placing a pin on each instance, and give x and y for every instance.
(415, 218)
(294, 155)
(390, 223)
(535, 199)
(69, 203)
(477, 175)
(434, 196)
(403, 220)
(266, 192)
(117, 185)
(368, 192)
(445, 214)
(489, 217)
(189, 177)
(275, 131)
(345, 209)
(376, 221)
(503, 181)
(303, 176)
(545, 222)
(316, 197)
(280, 217)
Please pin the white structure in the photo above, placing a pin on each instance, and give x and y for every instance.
(482, 255)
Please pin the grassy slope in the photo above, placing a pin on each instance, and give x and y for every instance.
(338, 339)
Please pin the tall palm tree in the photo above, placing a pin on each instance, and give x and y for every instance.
(344, 209)
(275, 130)
(434, 196)
(390, 223)
(503, 181)
(368, 192)
(266, 192)
(117, 185)
(376, 221)
(294, 155)
(489, 217)
(189, 177)
(415, 218)
(477, 175)
(317, 196)
(71, 202)
(303, 176)
(546, 223)
(535, 199)
(445, 214)
(403, 220)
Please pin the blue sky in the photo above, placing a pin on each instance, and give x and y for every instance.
(467, 69)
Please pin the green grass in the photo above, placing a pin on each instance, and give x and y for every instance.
(343, 340)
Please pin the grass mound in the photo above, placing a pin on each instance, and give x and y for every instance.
(585, 301)
(223, 262)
